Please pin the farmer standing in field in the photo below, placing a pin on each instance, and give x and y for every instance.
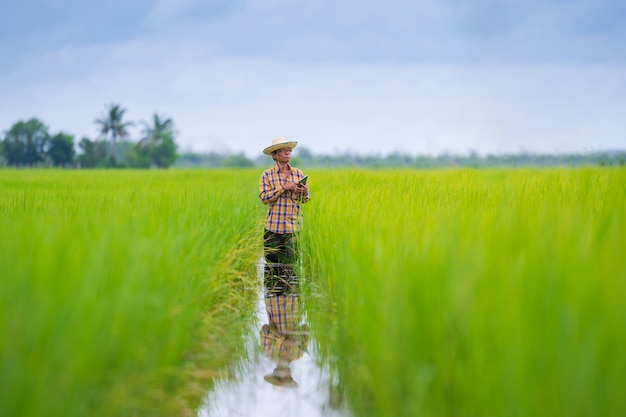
(281, 191)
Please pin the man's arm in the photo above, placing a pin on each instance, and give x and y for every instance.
(267, 193)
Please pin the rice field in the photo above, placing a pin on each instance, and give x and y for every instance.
(435, 293)
(471, 293)
(122, 292)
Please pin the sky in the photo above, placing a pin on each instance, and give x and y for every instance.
(366, 76)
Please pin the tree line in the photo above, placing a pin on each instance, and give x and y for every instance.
(303, 157)
(30, 144)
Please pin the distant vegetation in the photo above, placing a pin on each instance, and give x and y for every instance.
(303, 157)
(30, 144)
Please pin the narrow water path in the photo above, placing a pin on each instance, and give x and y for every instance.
(257, 389)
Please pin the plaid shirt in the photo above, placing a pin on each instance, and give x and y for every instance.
(283, 205)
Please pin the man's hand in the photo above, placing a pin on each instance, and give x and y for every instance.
(303, 188)
(290, 186)
(293, 186)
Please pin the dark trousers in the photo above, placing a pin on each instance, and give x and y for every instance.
(280, 254)
(279, 248)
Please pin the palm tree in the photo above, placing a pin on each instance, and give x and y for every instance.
(112, 123)
(157, 141)
(157, 133)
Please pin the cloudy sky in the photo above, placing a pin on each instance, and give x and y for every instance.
(368, 76)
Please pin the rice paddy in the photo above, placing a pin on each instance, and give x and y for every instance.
(122, 292)
(471, 293)
(436, 293)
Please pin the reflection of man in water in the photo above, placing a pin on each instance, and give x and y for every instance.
(284, 339)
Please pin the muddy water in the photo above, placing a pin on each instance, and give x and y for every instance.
(281, 376)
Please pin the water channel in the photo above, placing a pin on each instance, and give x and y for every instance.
(280, 375)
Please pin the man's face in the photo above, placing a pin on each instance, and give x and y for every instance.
(283, 155)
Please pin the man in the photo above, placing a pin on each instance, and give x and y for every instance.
(280, 190)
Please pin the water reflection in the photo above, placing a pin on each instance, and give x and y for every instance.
(281, 375)
(285, 337)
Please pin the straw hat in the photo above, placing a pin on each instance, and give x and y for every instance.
(279, 143)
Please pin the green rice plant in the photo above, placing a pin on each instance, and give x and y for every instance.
(122, 292)
(471, 293)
